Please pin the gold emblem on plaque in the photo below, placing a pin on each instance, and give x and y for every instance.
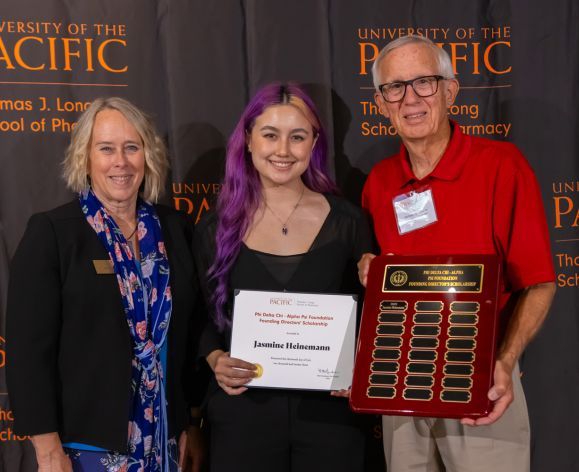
(398, 278)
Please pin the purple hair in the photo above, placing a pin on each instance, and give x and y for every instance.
(241, 193)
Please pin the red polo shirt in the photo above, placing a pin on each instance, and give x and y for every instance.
(487, 201)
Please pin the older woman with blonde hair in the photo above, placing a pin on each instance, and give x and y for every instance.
(100, 307)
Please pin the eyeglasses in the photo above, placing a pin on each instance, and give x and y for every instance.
(422, 86)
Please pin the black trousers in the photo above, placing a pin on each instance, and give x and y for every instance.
(284, 431)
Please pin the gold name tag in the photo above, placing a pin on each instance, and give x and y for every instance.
(103, 266)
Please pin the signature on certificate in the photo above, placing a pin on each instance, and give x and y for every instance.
(327, 371)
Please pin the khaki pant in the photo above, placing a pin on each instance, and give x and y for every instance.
(438, 444)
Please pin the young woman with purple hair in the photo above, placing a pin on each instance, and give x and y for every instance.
(278, 226)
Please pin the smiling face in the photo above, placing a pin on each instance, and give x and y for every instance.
(281, 143)
(116, 159)
(416, 118)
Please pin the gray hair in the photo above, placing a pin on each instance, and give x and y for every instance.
(75, 164)
(444, 63)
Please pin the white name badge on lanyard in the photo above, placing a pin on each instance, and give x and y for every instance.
(414, 210)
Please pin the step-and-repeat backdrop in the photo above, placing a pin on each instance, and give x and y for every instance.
(194, 63)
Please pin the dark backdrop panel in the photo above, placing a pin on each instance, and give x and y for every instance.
(193, 64)
(544, 109)
(31, 160)
(81, 50)
(286, 44)
(361, 29)
(204, 57)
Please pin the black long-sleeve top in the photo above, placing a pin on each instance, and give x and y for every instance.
(329, 266)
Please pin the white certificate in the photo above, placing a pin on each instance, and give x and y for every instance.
(298, 340)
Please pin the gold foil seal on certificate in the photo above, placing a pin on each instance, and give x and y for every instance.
(258, 371)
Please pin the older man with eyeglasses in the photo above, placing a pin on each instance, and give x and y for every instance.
(464, 195)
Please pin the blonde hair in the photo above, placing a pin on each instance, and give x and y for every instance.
(299, 103)
(75, 164)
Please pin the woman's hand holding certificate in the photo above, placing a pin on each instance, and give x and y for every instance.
(231, 373)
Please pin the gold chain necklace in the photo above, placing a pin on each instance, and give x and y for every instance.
(284, 229)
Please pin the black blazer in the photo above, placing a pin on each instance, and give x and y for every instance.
(68, 344)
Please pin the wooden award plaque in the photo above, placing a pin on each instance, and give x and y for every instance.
(428, 336)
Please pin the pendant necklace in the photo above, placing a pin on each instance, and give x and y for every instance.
(284, 229)
(127, 238)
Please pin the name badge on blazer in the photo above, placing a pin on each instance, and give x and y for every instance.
(103, 266)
